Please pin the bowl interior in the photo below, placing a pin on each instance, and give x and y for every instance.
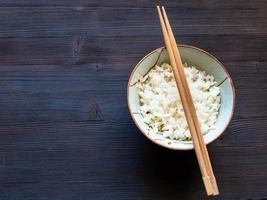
(193, 57)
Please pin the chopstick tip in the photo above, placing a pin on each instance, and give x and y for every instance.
(163, 10)
(158, 8)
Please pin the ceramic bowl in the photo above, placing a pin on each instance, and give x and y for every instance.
(203, 61)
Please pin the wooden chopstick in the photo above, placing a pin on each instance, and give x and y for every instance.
(192, 108)
(191, 104)
(188, 114)
(187, 102)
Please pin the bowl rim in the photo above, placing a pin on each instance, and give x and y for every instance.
(208, 54)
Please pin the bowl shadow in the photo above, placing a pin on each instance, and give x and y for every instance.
(168, 173)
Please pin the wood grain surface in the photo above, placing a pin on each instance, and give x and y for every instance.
(65, 130)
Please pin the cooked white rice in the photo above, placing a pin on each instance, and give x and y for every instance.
(161, 107)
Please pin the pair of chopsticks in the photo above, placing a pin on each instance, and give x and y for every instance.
(188, 105)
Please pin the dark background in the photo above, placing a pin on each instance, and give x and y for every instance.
(65, 130)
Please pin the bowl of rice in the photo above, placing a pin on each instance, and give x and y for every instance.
(155, 105)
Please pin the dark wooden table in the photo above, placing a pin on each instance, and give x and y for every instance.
(65, 130)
